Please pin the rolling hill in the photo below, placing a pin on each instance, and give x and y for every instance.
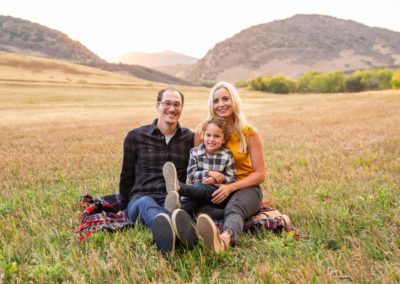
(24, 37)
(156, 59)
(168, 62)
(297, 45)
(27, 68)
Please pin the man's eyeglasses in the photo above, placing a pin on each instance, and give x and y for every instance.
(167, 104)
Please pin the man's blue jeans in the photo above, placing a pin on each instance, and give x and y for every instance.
(146, 208)
(242, 204)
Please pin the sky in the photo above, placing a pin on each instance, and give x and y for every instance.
(112, 28)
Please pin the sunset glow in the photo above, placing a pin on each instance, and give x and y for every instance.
(112, 28)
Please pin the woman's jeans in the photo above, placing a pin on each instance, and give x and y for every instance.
(146, 208)
(243, 204)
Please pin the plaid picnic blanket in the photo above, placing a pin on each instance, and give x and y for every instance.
(102, 213)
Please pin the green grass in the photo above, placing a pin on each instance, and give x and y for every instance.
(333, 165)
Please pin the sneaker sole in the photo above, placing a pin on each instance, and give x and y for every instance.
(171, 201)
(170, 177)
(163, 234)
(183, 227)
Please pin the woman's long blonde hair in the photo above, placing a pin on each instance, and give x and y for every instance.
(239, 118)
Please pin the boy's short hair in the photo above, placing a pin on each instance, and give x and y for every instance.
(221, 123)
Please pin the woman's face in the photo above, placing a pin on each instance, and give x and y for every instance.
(222, 103)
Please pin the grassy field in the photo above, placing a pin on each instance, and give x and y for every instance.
(333, 165)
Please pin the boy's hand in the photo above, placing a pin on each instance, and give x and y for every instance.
(209, 180)
(219, 178)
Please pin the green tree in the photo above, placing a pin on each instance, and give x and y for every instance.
(396, 80)
(327, 83)
(354, 83)
(280, 85)
(385, 78)
(242, 84)
(303, 83)
(255, 83)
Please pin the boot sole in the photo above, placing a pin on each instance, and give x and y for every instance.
(208, 232)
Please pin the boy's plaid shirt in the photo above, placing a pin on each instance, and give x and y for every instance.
(200, 163)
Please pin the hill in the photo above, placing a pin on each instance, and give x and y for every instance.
(24, 37)
(27, 68)
(297, 45)
(156, 59)
(168, 62)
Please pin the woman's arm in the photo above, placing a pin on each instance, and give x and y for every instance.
(255, 178)
(197, 139)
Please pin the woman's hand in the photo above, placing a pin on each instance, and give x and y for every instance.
(222, 193)
(219, 178)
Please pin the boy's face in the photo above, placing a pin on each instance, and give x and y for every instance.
(213, 138)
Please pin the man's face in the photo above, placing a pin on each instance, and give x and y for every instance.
(170, 107)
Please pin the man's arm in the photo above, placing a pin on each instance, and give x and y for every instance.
(127, 177)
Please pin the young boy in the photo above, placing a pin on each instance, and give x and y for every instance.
(210, 164)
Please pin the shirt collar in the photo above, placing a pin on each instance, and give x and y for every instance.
(154, 130)
(202, 150)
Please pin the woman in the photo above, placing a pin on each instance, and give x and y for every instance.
(245, 194)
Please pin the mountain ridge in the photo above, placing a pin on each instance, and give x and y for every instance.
(297, 45)
(25, 37)
(156, 59)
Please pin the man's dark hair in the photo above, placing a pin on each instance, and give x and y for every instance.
(161, 93)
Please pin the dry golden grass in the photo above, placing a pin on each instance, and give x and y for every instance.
(19, 67)
(333, 164)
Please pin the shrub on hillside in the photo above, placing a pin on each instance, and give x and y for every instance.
(379, 79)
(303, 83)
(385, 78)
(281, 85)
(255, 83)
(353, 84)
(334, 82)
(277, 85)
(315, 82)
(368, 80)
(395, 81)
(241, 84)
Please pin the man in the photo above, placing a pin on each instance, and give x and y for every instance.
(142, 186)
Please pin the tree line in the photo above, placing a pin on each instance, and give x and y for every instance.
(333, 82)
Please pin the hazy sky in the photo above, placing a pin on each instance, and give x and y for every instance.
(111, 28)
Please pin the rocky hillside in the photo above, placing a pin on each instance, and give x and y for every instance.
(297, 45)
(24, 37)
